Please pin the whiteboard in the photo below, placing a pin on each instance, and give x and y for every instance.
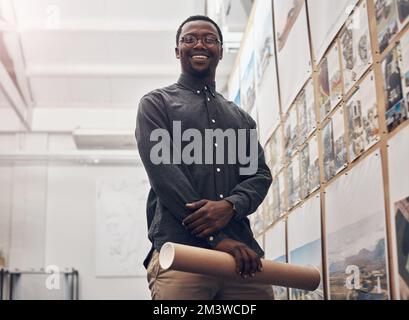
(121, 228)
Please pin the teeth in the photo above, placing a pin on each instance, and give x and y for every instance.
(200, 57)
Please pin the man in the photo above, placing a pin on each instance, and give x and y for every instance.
(200, 203)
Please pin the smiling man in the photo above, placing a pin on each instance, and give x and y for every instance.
(203, 203)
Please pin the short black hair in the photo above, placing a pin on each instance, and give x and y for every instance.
(198, 18)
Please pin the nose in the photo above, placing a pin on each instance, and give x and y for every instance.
(200, 40)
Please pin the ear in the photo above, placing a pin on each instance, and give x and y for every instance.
(221, 53)
(177, 53)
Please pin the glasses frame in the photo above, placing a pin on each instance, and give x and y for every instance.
(217, 41)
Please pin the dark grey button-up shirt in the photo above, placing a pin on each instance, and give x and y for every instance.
(196, 105)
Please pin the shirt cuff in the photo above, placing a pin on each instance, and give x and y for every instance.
(215, 239)
(239, 208)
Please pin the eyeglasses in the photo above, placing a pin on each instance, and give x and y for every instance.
(191, 41)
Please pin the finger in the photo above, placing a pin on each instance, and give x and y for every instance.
(246, 263)
(196, 205)
(260, 265)
(239, 261)
(197, 222)
(193, 217)
(199, 229)
(207, 232)
(254, 263)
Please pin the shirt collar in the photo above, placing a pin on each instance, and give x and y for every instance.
(196, 84)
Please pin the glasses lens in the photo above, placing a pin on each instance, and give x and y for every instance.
(189, 40)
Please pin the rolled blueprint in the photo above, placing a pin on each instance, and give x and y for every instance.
(185, 258)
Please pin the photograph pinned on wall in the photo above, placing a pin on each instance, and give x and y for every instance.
(326, 19)
(396, 109)
(234, 87)
(269, 217)
(386, 14)
(362, 115)
(404, 45)
(264, 37)
(306, 112)
(356, 46)
(283, 194)
(340, 151)
(304, 166)
(330, 82)
(402, 245)
(291, 30)
(329, 157)
(275, 250)
(293, 181)
(258, 219)
(277, 201)
(304, 243)
(314, 169)
(398, 154)
(248, 75)
(290, 134)
(324, 99)
(356, 234)
(403, 12)
(276, 152)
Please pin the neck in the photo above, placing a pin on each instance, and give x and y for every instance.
(208, 79)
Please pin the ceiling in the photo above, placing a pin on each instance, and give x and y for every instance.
(69, 64)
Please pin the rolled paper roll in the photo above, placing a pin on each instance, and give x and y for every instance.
(185, 258)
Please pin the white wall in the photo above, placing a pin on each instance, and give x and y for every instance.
(47, 217)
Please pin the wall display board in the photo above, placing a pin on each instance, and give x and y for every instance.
(304, 243)
(121, 235)
(275, 250)
(326, 19)
(398, 153)
(248, 75)
(356, 238)
(291, 36)
(335, 127)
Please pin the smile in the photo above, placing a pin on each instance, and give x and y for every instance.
(199, 58)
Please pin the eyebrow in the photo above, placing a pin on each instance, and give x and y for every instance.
(195, 34)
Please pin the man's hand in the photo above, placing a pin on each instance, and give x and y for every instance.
(247, 261)
(209, 217)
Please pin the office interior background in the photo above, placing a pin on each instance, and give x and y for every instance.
(326, 81)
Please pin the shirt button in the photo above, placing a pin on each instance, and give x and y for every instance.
(215, 145)
(218, 170)
(198, 91)
(208, 99)
(221, 196)
(211, 238)
(214, 121)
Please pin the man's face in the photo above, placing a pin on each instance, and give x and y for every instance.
(199, 60)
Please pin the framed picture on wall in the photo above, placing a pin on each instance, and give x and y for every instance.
(304, 243)
(356, 233)
(290, 134)
(330, 82)
(398, 154)
(396, 109)
(355, 46)
(386, 14)
(362, 114)
(306, 112)
(340, 152)
(275, 250)
(293, 181)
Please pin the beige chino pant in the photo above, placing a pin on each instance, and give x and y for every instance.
(177, 285)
